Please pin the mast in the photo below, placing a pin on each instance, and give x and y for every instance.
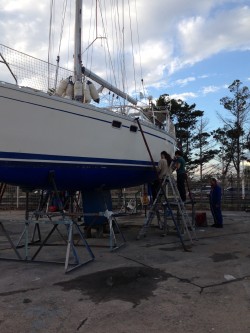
(78, 33)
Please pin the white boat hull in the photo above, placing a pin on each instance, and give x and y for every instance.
(41, 133)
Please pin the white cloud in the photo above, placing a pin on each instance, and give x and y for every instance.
(184, 96)
(183, 82)
(25, 6)
(24, 26)
(210, 89)
(173, 34)
(203, 36)
(204, 76)
(194, 31)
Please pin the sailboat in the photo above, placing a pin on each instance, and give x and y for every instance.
(85, 145)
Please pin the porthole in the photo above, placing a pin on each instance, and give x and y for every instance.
(133, 128)
(116, 124)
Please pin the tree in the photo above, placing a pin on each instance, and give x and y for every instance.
(233, 136)
(203, 150)
(184, 117)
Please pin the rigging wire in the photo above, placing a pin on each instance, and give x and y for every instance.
(69, 30)
(62, 25)
(110, 68)
(89, 49)
(113, 27)
(122, 52)
(52, 20)
(139, 47)
(108, 48)
(117, 45)
(132, 44)
(50, 38)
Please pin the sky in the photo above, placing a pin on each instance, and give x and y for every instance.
(192, 50)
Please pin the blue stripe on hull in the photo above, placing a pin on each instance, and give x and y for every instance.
(74, 176)
(43, 157)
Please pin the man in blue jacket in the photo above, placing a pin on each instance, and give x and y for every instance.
(215, 203)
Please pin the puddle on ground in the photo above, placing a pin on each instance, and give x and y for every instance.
(131, 284)
(217, 257)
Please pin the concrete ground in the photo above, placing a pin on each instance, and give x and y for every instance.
(147, 285)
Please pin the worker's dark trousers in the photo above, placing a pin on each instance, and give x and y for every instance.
(181, 177)
(217, 215)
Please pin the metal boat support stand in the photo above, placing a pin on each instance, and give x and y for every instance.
(55, 220)
(97, 213)
(114, 229)
(71, 249)
(6, 234)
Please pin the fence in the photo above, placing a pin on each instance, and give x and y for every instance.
(124, 200)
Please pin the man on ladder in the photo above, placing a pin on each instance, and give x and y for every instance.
(181, 174)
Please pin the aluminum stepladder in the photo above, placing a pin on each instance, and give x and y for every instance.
(186, 223)
(159, 203)
(161, 192)
(162, 202)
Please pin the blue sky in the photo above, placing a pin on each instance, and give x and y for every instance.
(192, 50)
(206, 82)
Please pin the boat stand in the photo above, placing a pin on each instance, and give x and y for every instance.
(6, 234)
(97, 213)
(114, 229)
(55, 220)
(72, 229)
(71, 248)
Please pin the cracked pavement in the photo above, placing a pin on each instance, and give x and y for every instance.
(148, 285)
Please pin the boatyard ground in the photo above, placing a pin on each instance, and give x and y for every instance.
(147, 285)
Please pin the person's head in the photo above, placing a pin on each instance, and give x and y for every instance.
(178, 153)
(213, 182)
(166, 156)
